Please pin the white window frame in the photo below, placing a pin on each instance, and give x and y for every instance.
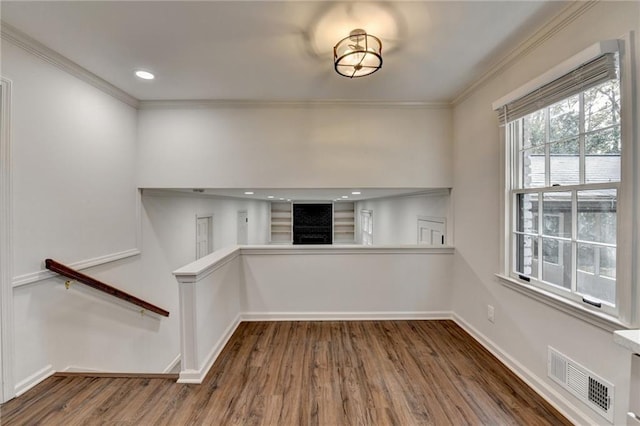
(628, 224)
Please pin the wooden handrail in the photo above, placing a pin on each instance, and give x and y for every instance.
(61, 269)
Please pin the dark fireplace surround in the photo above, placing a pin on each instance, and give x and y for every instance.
(312, 223)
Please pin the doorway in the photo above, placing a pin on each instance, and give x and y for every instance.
(204, 235)
(366, 227)
(243, 228)
(431, 231)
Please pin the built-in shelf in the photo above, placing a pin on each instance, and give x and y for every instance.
(344, 222)
(281, 223)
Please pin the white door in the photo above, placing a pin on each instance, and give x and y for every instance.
(431, 231)
(366, 223)
(243, 228)
(204, 236)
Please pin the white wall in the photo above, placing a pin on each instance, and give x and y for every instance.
(75, 200)
(73, 153)
(524, 327)
(295, 147)
(395, 220)
(333, 283)
(172, 216)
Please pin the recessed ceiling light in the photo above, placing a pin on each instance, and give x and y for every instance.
(270, 196)
(345, 196)
(356, 193)
(281, 199)
(288, 199)
(248, 193)
(145, 75)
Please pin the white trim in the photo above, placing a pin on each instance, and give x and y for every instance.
(554, 398)
(346, 316)
(201, 268)
(138, 230)
(544, 33)
(563, 68)
(76, 369)
(345, 249)
(20, 39)
(313, 103)
(6, 247)
(603, 321)
(44, 274)
(627, 296)
(197, 376)
(34, 379)
(172, 365)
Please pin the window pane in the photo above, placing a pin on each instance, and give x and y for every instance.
(556, 266)
(602, 156)
(564, 118)
(527, 255)
(564, 167)
(532, 167)
(528, 213)
(597, 215)
(596, 275)
(556, 210)
(602, 106)
(602, 142)
(534, 129)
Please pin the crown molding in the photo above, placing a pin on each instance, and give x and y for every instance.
(20, 39)
(329, 103)
(541, 35)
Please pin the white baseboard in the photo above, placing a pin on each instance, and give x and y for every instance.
(345, 316)
(559, 402)
(34, 379)
(77, 369)
(197, 376)
(173, 364)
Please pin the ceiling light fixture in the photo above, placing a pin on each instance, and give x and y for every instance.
(145, 75)
(270, 197)
(358, 54)
(356, 193)
(345, 196)
(248, 193)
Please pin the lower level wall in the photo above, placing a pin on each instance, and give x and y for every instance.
(327, 283)
(81, 329)
(304, 283)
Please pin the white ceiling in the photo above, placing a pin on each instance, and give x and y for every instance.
(306, 194)
(280, 50)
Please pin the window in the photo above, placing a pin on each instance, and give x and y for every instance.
(564, 149)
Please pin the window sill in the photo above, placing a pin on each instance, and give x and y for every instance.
(603, 321)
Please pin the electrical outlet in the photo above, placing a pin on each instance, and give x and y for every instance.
(491, 313)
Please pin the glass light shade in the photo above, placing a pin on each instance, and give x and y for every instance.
(358, 54)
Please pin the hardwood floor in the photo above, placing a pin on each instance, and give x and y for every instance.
(308, 373)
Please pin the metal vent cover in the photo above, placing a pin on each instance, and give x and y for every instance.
(595, 392)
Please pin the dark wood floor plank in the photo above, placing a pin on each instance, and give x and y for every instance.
(308, 373)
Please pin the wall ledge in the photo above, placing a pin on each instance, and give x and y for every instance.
(603, 321)
(201, 268)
